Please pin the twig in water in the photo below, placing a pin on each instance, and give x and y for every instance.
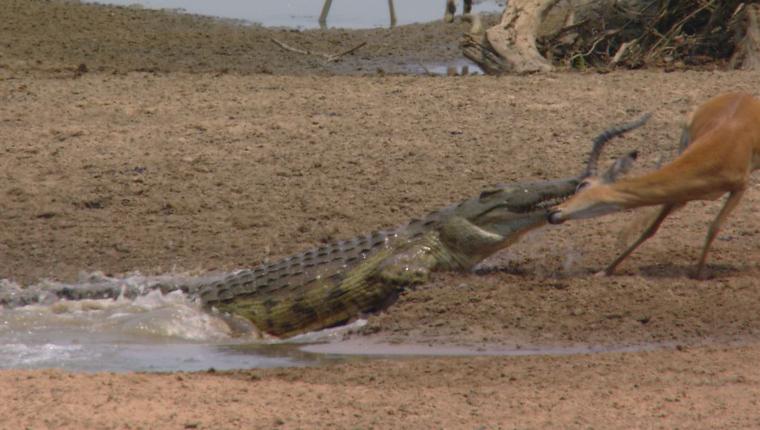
(328, 57)
(337, 56)
(290, 48)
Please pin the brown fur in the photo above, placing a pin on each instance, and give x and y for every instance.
(724, 148)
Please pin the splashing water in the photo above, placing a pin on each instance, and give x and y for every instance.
(152, 331)
(157, 331)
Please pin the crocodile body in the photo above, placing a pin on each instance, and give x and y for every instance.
(332, 284)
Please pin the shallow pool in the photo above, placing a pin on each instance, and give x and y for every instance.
(152, 332)
(171, 332)
(305, 13)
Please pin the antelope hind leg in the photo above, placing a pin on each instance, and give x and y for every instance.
(731, 202)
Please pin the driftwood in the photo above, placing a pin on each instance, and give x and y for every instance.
(747, 36)
(477, 48)
(541, 35)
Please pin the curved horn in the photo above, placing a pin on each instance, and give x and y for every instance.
(604, 137)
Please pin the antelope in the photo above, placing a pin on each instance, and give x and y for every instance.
(451, 10)
(721, 148)
(328, 4)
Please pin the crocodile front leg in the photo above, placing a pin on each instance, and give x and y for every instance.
(464, 244)
(457, 244)
(411, 266)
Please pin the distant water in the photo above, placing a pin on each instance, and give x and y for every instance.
(305, 13)
(154, 332)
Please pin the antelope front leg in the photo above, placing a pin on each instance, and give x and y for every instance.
(392, 13)
(451, 10)
(323, 16)
(649, 232)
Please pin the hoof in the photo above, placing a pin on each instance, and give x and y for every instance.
(700, 275)
(609, 271)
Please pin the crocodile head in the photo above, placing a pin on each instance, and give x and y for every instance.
(478, 227)
(526, 197)
(521, 199)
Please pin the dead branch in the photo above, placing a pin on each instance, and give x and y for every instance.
(747, 53)
(327, 57)
(477, 48)
(292, 49)
(337, 56)
(620, 33)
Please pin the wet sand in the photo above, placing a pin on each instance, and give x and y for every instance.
(705, 388)
(167, 153)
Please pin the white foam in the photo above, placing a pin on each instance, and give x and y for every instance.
(44, 355)
(153, 331)
(331, 334)
(150, 317)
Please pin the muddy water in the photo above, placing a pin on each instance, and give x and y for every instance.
(169, 332)
(305, 13)
(153, 332)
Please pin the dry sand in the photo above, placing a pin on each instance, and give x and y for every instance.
(173, 152)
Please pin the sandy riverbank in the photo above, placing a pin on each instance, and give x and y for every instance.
(170, 155)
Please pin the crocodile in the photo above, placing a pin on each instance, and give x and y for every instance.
(334, 283)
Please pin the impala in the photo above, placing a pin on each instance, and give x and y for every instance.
(451, 10)
(723, 138)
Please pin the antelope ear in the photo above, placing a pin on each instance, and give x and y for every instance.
(620, 167)
(583, 184)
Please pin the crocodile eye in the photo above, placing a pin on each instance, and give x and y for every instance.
(488, 193)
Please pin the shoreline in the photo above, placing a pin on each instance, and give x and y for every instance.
(208, 150)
